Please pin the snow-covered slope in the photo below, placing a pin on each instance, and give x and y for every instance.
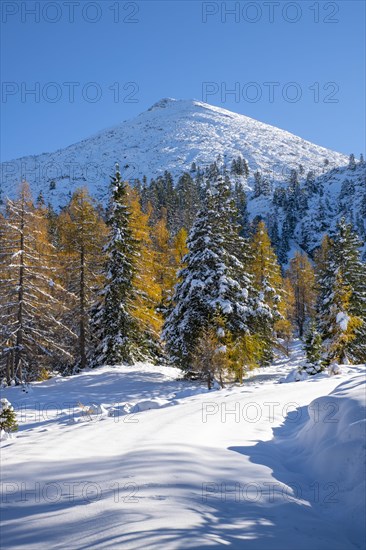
(339, 192)
(169, 136)
(264, 466)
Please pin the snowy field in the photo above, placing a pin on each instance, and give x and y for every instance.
(133, 457)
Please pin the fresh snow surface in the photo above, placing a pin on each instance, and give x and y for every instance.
(134, 458)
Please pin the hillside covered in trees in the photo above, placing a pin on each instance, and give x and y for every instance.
(182, 274)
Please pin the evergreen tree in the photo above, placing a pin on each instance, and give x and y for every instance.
(187, 204)
(363, 213)
(352, 162)
(257, 184)
(113, 323)
(284, 245)
(279, 196)
(241, 204)
(212, 172)
(40, 202)
(353, 272)
(239, 167)
(310, 183)
(341, 311)
(8, 419)
(293, 180)
(266, 187)
(245, 168)
(214, 280)
(347, 189)
(343, 325)
(234, 167)
(313, 350)
(272, 224)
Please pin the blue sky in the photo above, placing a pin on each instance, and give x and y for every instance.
(295, 65)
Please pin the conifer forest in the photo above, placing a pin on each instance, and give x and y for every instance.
(166, 268)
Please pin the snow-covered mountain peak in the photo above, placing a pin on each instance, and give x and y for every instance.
(171, 135)
(162, 104)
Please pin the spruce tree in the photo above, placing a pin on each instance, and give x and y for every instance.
(8, 419)
(341, 309)
(187, 202)
(352, 162)
(257, 184)
(310, 183)
(214, 281)
(241, 204)
(353, 271)
(113, 325)
(313, 349)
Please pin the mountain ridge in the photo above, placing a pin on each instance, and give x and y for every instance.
(170, 135)
(173, 135)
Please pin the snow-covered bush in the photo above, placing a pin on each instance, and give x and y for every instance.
(8, 421)
(312, 369)
(313, 349)
(296, 375)
(334, 368)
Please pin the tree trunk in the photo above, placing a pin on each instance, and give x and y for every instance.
(19, 339)
(9, 367)
(82, 337)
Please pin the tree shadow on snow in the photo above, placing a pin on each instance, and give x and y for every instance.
(162, 497)
(311, 499)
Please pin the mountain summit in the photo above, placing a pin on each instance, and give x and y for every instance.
(171, 135)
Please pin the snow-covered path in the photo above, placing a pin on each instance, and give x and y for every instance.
(248, 467)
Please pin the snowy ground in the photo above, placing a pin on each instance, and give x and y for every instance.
(251, 467)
